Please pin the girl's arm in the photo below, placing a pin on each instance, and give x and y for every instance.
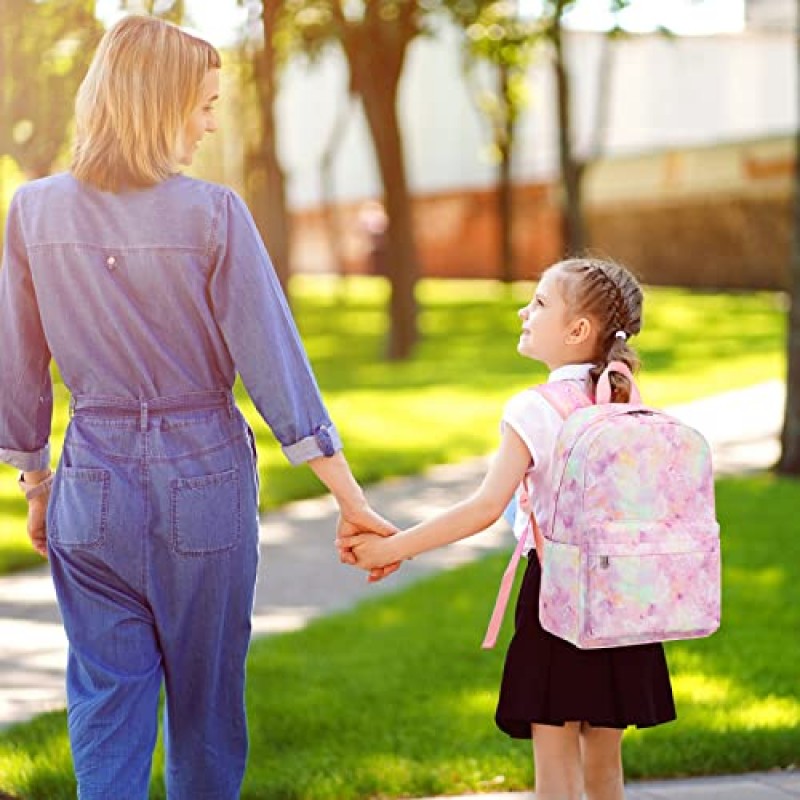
(464, 519)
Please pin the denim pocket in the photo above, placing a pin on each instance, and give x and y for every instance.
(206, 513)
(80, 509)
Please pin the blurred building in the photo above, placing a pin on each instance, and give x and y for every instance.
(771, 14)
(689, 142)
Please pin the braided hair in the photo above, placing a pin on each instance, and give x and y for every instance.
(609, 294)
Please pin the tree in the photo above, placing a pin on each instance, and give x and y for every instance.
(331, 219)
(497, 36)
(374, 36)
(789, 463)
(572, 166)
(45, 50)
(265, 178)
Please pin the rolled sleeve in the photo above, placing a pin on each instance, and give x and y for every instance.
(261, 336)
(26, 462)
(26, 391)
(324, 441)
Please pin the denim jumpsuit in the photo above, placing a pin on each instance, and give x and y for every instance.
(150, 302)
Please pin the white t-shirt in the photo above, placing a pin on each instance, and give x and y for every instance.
(537, 423)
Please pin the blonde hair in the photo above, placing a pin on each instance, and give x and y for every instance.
(133, 104)
(609, 294)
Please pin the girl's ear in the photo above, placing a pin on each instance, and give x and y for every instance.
(579, 331)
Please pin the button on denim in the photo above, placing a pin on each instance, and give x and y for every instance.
(151, 302)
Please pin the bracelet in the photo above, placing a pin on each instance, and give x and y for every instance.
(36, 489)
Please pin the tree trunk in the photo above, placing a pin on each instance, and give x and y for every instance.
(330, 216)
(789, 463)
(266, 182)
(375, 50)
(505, 187)
(572, 211)
(401, 256)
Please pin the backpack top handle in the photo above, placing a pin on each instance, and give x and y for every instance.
(604, 384)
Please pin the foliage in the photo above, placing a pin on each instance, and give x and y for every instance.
(572, 165)
(374, 38)
(45, 49)
(442, 406)
(395, 698)
(506, 42)
(496, 35)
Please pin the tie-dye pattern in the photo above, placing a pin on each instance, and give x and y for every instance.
(631, 550)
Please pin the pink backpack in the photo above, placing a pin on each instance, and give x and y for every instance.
(631, 553)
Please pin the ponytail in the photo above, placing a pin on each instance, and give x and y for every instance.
(618, 350)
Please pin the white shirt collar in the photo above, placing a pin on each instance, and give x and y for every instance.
(570, 372)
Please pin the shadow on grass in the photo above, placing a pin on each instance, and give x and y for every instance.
(459, 335)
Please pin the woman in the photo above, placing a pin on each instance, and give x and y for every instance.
(151, 291)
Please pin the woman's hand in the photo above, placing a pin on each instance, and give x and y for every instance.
(373, 552)
(355, 514)
(360, 520)
(37, 523)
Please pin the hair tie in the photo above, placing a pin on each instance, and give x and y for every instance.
(621, 335)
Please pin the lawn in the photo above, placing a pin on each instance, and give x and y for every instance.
(395, 698)
(443, 405)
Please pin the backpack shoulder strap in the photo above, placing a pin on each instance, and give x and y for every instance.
(564, 396)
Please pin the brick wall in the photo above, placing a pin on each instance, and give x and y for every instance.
(457, 235)
(724, 241)
(716, 217)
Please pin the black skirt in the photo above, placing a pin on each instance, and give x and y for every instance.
(549, 681)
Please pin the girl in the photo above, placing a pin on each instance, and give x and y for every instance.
(574, 704)
(152, 290)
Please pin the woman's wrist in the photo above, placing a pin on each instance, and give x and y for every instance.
(334, 472)
(352, 503)
(36, 483)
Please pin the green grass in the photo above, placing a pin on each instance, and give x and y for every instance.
(444, 404)
(395, 698)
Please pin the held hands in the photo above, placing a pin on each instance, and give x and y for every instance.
(364, 523)
(373, 552)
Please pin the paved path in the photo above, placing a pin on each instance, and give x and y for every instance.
(300, 577)
(777, 785)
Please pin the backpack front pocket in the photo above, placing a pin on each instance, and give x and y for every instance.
(663, 585)
(559, 595)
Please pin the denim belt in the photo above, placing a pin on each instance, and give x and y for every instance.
(96, 405)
